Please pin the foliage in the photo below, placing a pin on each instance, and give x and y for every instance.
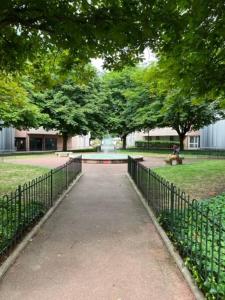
(73, 109)
(9, 229)
(53, 68)
(172, 106)
(115, 30)
(191, 40)
(155, 144)
(123, 94)
(198, 233)
(15, 107)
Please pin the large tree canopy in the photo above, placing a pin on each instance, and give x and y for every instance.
(171, 106)
(16, 108)
(188, 34)
(191, 40)
(124, 91)
(116, 30)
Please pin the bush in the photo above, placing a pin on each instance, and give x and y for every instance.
(199, 234)
(155, 144)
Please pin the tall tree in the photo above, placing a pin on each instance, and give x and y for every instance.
(15, 107)
(123, 92)
(171, 106)
(74, 108)
(65, 106)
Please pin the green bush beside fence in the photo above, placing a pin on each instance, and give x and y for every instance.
(157, 144)
(22, 208)
(196, 228)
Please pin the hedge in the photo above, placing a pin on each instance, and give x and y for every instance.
(155, 144)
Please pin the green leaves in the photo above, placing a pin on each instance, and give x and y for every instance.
(15, 107)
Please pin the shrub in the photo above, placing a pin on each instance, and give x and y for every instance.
(155, 144)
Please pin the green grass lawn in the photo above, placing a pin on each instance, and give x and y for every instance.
(12, 175)
(24, 156)
(164, 153)
(200, 180)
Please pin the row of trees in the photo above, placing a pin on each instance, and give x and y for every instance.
(146, 98)
(78, 101)
(186, 35)
(45, 79)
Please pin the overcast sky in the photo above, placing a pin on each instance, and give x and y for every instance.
(148, 58)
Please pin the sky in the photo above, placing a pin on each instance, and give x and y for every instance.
(149, 57)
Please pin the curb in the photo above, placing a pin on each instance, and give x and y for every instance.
(175, 255)
(22, 245)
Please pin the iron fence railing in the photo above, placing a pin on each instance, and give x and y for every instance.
(21, 209)
(197, 231)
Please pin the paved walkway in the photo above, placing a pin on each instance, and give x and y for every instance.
(100, 244)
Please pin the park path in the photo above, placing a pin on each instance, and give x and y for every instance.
(100, 244)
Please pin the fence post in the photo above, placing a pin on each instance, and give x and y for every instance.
(148, 178)
(137, 174)
(172, 202)
(51, 187)
(19, 207)
(66, 175)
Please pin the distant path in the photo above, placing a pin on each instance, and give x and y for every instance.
(100, 244)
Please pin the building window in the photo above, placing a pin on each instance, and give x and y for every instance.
(36, 144)
(194, 142)
(171, 138)
(51, 143)
(157, 138)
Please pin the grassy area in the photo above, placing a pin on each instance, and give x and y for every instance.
(165, 153)
(12, 175)
(202, 179)
(24, 156)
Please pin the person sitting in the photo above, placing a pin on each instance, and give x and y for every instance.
(176, 150)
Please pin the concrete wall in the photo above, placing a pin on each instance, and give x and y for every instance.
(213, 136)
(7, 139)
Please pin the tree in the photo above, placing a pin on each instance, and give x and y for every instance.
(191, 41)
(65, 106)
(171, 106)
(123, 92)
(73, 109)
(116, 30)
(15, 107)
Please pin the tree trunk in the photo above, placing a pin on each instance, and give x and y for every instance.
(65, 139)
(181, 140)
(124, 140)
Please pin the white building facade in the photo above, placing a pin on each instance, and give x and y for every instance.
(213, 136)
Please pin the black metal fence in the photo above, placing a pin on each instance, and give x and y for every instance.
(21, 209)
(197, 231)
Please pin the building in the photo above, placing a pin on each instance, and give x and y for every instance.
(40, 139)
(43, 140)
(213, 136)
(7, 139)
(192, 140)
